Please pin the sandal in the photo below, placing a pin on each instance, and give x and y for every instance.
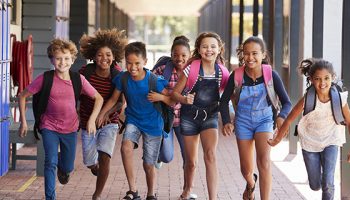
(188, 198)
(248, 192)
(130, 195)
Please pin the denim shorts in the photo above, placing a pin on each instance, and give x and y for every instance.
(103, 141)
(151, 144)
(190, 126)
(248, 122)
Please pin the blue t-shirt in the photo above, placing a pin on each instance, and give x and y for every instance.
(139, 111)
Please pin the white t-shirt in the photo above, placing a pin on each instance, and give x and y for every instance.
(317, 129)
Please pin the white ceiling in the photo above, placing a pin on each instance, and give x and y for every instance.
(160, 7)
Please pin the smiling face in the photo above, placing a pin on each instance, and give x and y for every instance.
(104, 58)
(134, 65)
(209, 49)
(62, 61)
(180, 56)
(253, 55)
(322, 81)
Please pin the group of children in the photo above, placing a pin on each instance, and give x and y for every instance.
(192, 85)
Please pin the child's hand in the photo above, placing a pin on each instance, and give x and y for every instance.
(91, 127)
(273, 142)
(154, 96)
(190, 98)
(100, 120)
(23, 129)
(227, 129)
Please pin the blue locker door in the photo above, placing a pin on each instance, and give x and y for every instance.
(4, 81)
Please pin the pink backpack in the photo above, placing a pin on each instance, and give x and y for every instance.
(194, 71)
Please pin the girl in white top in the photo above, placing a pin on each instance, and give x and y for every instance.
(319, 134)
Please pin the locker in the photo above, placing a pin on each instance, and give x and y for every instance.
(4, 86)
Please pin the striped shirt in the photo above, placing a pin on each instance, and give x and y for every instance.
(104, 87)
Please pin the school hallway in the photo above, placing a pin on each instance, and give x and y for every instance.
(23, 184)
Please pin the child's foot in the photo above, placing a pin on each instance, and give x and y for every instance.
(63, 177)
(158, 164)
(130, 195)
(96, 197)
(151, 197)
(94, 169)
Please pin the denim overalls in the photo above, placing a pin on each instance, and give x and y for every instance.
(203, 113)
(253, 113)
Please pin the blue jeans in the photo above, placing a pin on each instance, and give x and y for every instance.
(320, 167)
(180, 139)
(166, 153)
(102, 141)
(68, 143)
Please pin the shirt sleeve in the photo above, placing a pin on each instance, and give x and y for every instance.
(224, 100)
(282, 95)
(87, 88)
(187, 70)
(161, 84)
(117, 81)
(36, 85)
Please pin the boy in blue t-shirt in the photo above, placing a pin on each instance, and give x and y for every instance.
(142, 119)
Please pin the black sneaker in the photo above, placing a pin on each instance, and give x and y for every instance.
(63, 178)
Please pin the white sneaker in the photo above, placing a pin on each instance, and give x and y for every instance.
(158, 164)
(193, 196)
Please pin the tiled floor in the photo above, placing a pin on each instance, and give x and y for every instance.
(23, 184)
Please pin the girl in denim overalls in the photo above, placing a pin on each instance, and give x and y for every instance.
(199, 110)
(253, 120)
(320, 131)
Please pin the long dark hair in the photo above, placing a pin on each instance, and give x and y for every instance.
(256, 40)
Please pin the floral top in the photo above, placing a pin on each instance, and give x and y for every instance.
(317, 129)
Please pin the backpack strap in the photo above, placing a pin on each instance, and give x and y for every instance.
(89, 70)
(224, 77)
(168, 70)
(40, 100)
(267, 73)
(310, 100)
(238, 76)
(336, 105)
(194, 71)
(77, 85)
(193, 74)
(152, 85)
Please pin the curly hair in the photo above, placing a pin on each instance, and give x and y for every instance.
(59, 44)
(111, 38)
(256, 40)
(309, 66)
(220, 58)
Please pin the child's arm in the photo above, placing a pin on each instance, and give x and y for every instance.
(346, 113)
(91, 125)
(164, 97)
(109, 105)
(224, 107)
(179, 87)
(22, 110)
(296, 111)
